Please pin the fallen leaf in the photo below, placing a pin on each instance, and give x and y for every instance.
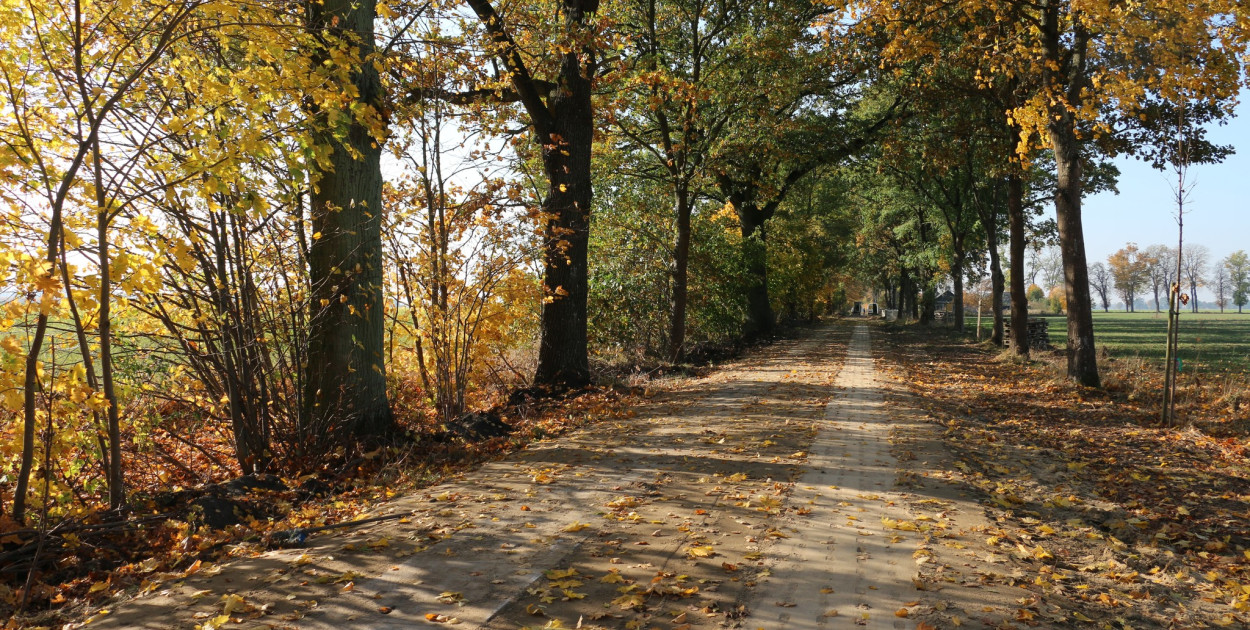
(613, 577)
(215, 622)
(233, 603)
(451, 597)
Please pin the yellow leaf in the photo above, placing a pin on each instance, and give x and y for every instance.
(11, 345)
(97, 587)
(215, 622)
(629, 600)
(450, 597)
(233, 603)
(576, 527)
(705, 551)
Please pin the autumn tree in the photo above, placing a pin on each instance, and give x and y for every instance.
(565, 45)
(1101, 281)
(688, 80)
(228, 233)
(345, 397)
(949, 186)
(1193, 266)
(59, 98)
(457, 225)
(1130, 270)
(815, 107)
(1091, 86)
(1238, 266)
(1220, 284)
(1160, 267)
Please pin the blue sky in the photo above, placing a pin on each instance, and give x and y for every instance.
(1217, 214)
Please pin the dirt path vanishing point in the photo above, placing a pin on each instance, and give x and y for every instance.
(762, 496)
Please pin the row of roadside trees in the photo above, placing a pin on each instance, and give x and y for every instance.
(1133, 273)
(275, 220)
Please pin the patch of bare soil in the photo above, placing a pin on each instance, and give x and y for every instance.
(659, 517)
(1090, 516)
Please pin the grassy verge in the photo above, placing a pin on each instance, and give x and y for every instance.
(1209, 341)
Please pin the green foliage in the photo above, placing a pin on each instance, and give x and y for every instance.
(628, 271)
(630, 261)
(811, 248)
(717, 274)
(1238, 266)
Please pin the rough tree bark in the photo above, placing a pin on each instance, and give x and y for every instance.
(760, 317)
(1019, 341)
(564, 128)
(1067, 68)
(345, 377)
(988, 210)
(680, 276)
(957, 276)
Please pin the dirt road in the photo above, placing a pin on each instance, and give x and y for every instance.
(762, 496)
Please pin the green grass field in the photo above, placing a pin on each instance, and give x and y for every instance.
(1210, 340)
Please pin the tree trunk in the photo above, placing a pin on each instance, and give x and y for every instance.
(957, 275)
(989, 213)
(1082, 359)
(996, 286)
(1064, 70)
(1019, 341)
(562, 352)
(564, 127)
(760, 317)
(910, 304)
(928, 304)
(907, 303)
(345, 387)
(680, 276)
(116, 482)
